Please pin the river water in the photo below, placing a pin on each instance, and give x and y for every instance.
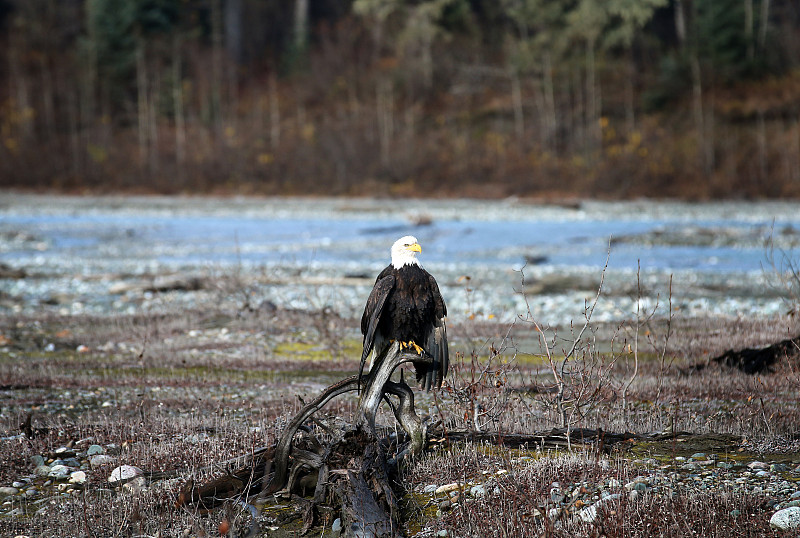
(78, 252)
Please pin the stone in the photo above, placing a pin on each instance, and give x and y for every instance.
(698, 456)
(94, 450)
(337, 525)
(778, 468)
(443, 533)
(763, 474)
(100, 459)
(477, 491)
(77, 477)
(430, 488)
(37, 460)
(787, 519)
(123, 474)
(795, 495)
(758, 465)
(589, 514)
(447, 488)
(59, 472)
(135, 485)
(6, 491)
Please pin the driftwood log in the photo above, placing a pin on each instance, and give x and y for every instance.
(759, 360)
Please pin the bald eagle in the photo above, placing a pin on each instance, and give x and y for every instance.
(405, 305)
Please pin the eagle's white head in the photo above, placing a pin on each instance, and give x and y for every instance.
(404, 251)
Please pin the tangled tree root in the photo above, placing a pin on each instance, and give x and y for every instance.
(350, 469)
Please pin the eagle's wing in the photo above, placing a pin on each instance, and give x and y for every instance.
(372, 315)
(436, 342)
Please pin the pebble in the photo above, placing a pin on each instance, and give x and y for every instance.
(760, 465)
(7, 491)
(430, 488)
(477, 491)
(59, 472)
(78, 477)
(787, 519)
(589, 514)
(337, 525)
(124, 473)
(447, 488)
(100, 459)
(94, 450)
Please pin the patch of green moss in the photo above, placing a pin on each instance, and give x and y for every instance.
(318, 351)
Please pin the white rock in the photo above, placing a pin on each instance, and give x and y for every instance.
(123, 473)
(787, 519)
(589, 514)
(78, 477)
(100, 459)
(336, 527)
(758, 465)
(477, 491)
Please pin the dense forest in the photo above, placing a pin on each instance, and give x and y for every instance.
(551, 99)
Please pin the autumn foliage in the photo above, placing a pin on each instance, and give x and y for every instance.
(692, 99)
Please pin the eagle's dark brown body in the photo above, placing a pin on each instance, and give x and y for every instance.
(405, 305)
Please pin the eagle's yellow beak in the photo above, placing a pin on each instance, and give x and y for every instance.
(415, 247)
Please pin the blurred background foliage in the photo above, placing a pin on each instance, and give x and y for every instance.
(552, 99)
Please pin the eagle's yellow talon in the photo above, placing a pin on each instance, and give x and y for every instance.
(413, 344)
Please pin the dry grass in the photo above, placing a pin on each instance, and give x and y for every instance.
(188, 390)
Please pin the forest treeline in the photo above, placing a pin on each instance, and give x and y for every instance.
(694, 99)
